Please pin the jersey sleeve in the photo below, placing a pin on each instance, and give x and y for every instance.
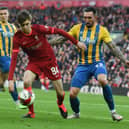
(52, 30)
(106, 36)
(14, 58)
(46, 29)
(14, 27)
(74, 31)
(66, 35)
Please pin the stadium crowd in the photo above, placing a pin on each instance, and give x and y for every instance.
(114, 18)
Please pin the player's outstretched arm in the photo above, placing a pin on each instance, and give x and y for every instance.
(116, 51)
(57, 40)
(13, 64)
(67, 36)
(60, 40)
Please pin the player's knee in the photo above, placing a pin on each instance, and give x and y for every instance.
(11, 89)
(27, 83)
(73, 93)
(103, 82)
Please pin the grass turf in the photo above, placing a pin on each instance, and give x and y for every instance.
(94, 113)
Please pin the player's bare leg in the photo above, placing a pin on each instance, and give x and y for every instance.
(107, 93)
(60, 97)
(29, 77)
(13, 92)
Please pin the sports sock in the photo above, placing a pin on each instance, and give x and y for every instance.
(107, 93)
(31, 108)
(47, 84)
(14, 93)
(75, 104)
(60, 98)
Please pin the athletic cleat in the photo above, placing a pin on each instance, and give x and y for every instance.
(74, 116)
(29, 115)
(116, 117)
(63, 111)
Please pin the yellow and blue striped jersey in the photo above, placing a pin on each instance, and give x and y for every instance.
(7, 31)
(93, 39)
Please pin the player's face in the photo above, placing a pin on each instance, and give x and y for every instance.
(4, 14)
(26, 27)
(89, 19)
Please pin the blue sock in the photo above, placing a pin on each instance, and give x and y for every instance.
(75, 104)
(14, 93)
(107, 93)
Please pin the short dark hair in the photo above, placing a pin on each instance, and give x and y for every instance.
(23, 15)
(3, 8)
(90, 9)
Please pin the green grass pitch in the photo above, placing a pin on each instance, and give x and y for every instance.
(94, 113)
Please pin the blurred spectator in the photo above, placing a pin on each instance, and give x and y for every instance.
(116, 20)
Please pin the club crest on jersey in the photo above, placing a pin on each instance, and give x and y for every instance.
(1, 30)
(24, 42)
(36, 37)
(46, 27)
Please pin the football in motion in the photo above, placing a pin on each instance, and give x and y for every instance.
(26, 97)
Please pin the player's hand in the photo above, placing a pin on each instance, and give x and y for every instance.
(11, 85)
(81, 45)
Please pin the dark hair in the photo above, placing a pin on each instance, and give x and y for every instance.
(90, 9)
(3, 8)
(22, 16)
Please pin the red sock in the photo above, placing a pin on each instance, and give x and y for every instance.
(31, 108)
(42, 83)
(60, 98)
(47, 84)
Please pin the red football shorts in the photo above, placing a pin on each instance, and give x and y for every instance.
(50, 69)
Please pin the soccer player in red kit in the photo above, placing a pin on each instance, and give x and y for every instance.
(32, 39)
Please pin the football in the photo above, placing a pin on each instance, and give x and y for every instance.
(26, 98)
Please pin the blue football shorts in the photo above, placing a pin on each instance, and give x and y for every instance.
(84, 72)
(4, 64)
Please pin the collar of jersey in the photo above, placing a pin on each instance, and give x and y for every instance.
(27, 34)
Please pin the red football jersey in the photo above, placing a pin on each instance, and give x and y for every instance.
(35, 45)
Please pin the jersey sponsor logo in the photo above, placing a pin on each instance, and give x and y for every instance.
(8, 34)
(35, 46)
(88, 40)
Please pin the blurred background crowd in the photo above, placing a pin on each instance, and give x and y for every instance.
(114, 18)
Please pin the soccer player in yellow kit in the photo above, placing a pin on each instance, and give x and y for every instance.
(7, 31)
(91, 61)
